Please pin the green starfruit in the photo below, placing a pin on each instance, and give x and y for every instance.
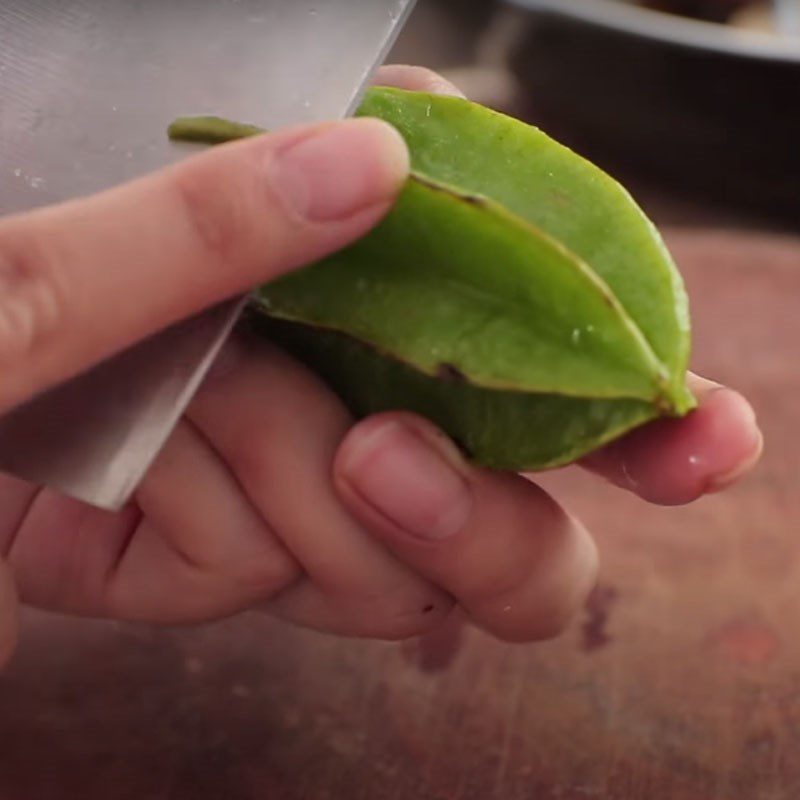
(516, 295)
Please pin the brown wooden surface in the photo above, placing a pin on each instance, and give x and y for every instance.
(681, 682)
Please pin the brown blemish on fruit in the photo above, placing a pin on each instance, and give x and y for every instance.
(450, 373)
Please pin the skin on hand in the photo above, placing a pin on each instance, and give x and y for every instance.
(268, 494)
(703, 454)
(229, 219)
(177, 241)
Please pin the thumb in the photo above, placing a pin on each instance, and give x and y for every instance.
(8, 614)
(83, 280)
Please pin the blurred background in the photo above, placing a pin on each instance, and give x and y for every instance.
(702, 120)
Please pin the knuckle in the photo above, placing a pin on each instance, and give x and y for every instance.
(265, 576)
(32, 297)
(255, 464)
(258, 458)
(259, 575)
(216, 217)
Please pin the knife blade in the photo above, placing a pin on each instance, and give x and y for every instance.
(87, 88)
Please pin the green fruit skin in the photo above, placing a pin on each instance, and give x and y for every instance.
(513, 431)
(523, 397)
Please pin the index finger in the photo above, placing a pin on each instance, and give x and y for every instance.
(82, 280)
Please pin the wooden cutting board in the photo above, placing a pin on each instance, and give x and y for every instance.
(681, 682)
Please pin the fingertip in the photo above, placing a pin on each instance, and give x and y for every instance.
(416, 79)
(675, 462)
(746, 449)
(395, 158)
(333, 172)
(547, 599)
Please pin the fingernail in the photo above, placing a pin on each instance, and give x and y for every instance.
(404, 478)
(340, 170)
(738, 413)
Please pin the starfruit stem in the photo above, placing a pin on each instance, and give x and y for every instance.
(210, 130)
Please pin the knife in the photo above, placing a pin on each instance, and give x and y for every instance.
(87, 89)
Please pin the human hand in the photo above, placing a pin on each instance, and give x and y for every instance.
(83, 280)
(269, 495)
